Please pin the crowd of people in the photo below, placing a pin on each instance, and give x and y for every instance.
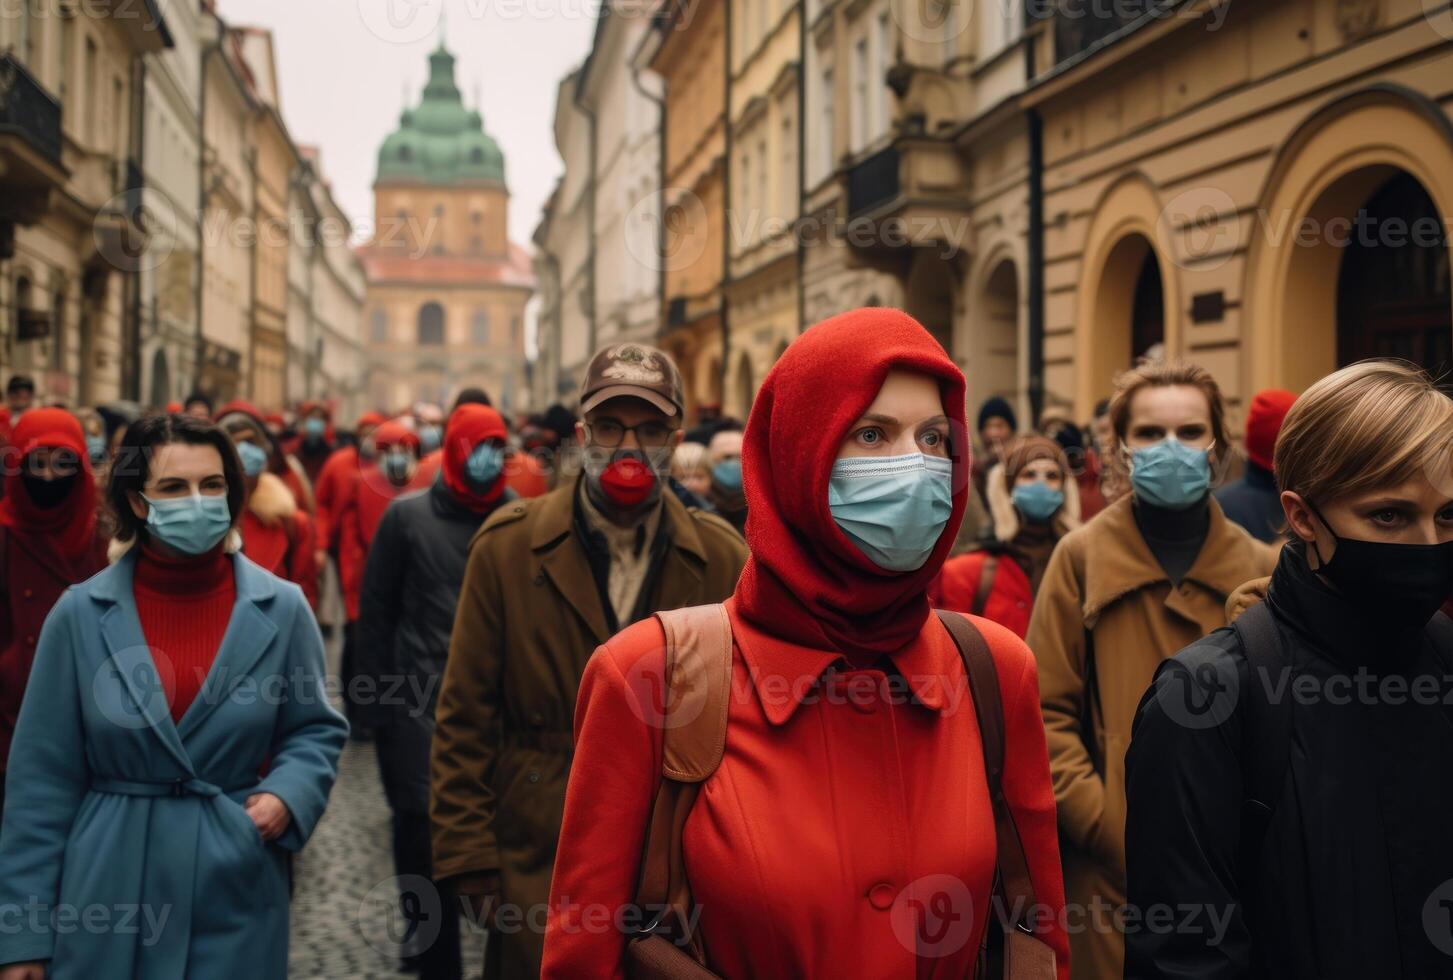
(848, 689)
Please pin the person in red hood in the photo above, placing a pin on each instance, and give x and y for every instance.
(523, 473)
(330, 487)
(411, 587)
(50, 539)
(314, 442)
(276, 533)
(848, 828)
(392, 472)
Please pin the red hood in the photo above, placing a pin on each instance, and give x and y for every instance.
(469, 425)
(73, 523)
(805, 581)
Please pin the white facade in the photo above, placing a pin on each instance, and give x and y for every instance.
(171, 120)
(569, 238)
(627, 182)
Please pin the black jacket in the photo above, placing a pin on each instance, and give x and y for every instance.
(1253, 502)
(1351, 874)
(406, 612)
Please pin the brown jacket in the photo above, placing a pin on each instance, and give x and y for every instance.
(529, 617)
(1103, 583)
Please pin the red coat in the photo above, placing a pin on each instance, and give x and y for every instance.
(364, 498)
(328, 492)
(1010, 599)
(831, 817)
(278, 535)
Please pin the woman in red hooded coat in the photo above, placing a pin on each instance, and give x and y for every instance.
(848, 829)
(49, 540)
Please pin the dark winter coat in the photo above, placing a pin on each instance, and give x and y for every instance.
(410, 590)
(1351, 876)
(1253, 502)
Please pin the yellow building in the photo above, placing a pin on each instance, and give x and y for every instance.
(689, 53)
(762, 283)
(72, 241)
(446, 287)
(1262, 188)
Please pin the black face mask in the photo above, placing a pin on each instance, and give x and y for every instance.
(47, 494)
(1403, 584)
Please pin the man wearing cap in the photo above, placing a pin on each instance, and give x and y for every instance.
(548, 580)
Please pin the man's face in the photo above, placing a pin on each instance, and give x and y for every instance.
(629, 424)
(724, 446)
(198, 410)
(18, 400)
(996, 432)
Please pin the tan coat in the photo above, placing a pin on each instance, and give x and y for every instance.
(529, 617)
(1104, 583)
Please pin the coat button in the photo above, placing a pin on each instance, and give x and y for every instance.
(30, 641)
(534, 776)
(881, 896)
(28, 593)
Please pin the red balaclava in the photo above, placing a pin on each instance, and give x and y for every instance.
(469, 425)
(1263, 423)
(70, 526)
(805, 581)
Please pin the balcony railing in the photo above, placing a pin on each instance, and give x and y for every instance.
(873, 181)
(28, 110)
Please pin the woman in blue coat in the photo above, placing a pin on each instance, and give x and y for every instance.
(175, 741)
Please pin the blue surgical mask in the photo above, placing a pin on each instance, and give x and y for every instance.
(1170, 474)
(395, 465)
(1037, 501)
(728, 475)
(484, 465)
(894, 508)
(253, 456)
(315, 428)
(96, 448)
(192, 525)
(429, 438)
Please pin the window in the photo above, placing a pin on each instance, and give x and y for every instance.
(1013, 22)
(859, 135)
(431, 325)
(118, 118)
(763, 200)
(826, 122)
(58, 328)
(479, 329)
(25, 41)
(882, 38)
(405, 154)
(378, 327)
(64, 63)
(788, 186)
(476, 155)
(744, 197)
(88, 93)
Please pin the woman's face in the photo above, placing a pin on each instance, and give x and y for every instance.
(1181, 411)
(1041, 471)
(1414, 512)
(698, 481)
(180, 469)
(906, 417)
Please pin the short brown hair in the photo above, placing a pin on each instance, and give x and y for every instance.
(132, 466)
(1165, 374)
(1373, 424)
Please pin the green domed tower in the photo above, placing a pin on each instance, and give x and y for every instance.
(440, 141)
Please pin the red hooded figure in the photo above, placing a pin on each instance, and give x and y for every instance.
(43, 549)
(835, 823)
(367, 496)
(329, 488)
(469, 425)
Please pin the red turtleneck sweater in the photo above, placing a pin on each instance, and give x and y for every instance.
(184, 605)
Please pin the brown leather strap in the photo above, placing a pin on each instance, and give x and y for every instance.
(696, 690)
(989, 706)
(987, 572)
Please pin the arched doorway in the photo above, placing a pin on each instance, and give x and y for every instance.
(1147, 311)
(161, 379)
(1393, 297)
(929, 297)
(431, 325)
(992, 340)
(1129, 311)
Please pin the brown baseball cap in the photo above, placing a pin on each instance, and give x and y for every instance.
(633, 370)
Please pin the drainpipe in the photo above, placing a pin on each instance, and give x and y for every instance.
(132, 289)
(203, 196)
(726, 202)
(1035, 272)
(660, 191)
(801, 164)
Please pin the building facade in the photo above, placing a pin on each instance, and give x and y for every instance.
(762, 288)
(446, 288)
(72, 232)
(1264, 189)
(688, 50)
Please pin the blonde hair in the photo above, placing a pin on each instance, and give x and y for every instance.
(687, 459)
(1166, 374)
(1373, 424)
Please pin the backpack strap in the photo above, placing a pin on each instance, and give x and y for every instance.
(983, 677)
(695, 692)
(987, 573)
(1266, 728)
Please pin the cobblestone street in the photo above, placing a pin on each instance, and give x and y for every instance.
(344, 891)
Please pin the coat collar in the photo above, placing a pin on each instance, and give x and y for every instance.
(785, 675)
(563, 559)
(249, 632)
(1118, 561)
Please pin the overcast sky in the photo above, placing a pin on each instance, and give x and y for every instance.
(343, 66)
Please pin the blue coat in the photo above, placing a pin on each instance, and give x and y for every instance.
(125, 851)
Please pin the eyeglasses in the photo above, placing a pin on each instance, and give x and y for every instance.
(610, 433)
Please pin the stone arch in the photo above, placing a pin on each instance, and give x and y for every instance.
(991, 340)
(1126, 232)
(1325, 172)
